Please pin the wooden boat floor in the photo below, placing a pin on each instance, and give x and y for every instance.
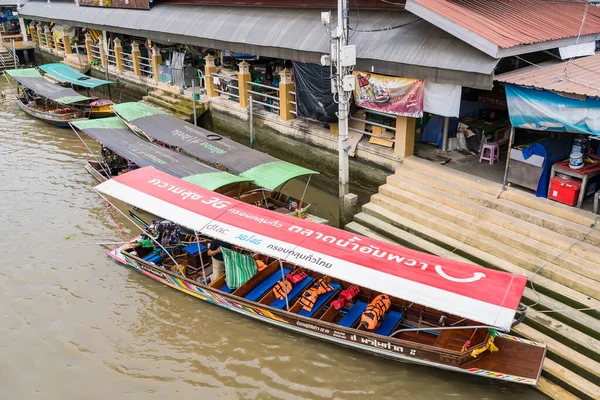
(518, 359)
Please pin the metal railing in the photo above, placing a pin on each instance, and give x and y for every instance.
(146, 67)
(127, 61)
(293, 102)
(374, 123)
(225, 88)
(270, 102)
(12, 52)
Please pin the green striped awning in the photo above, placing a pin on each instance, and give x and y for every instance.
(134, 110)
(33, 80)
(271, 175)
(215, 180)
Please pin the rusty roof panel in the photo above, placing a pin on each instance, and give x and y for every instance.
(509, 23)
(580, 76)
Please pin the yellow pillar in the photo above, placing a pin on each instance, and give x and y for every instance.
(135, 58)
(67, 44)
(405, 137)
(118, 54)
(49, 38)
(209, 69)
(243, 79)
(33, 33)
(88, 47)
(39, 35)
(155, 63)
(103, 59)
(286, 85)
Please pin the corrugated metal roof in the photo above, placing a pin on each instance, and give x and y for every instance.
(12, 2)
(580, 76)
(509, 23)
(417, 50)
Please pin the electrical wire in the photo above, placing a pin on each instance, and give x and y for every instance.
(389, 28)
(558, 75)
(357, 21)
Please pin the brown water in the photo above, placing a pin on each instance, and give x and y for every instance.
(75, 325)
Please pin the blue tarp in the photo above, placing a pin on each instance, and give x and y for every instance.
(553, 151)
(548, 111)
(433, 130)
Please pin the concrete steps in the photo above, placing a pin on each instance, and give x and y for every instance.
(180, 115)
(454, 215)
(178, 105)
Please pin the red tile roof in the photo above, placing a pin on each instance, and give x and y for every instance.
(509, 23)
(581, 76)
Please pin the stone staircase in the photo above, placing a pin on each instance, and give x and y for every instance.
(175, 104)
(438, 210)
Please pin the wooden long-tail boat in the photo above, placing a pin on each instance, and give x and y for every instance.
(45, 100)
(443, 313)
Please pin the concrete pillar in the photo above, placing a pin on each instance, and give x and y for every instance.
(67, 44)
(23, 29)
(39, 35)
(405, 137)
(103, 59)
(33, 32)
(209, 69)
(243, 79)
(118, 54)
(286, 85)
(348, 209)
(49, 38)
(88, 47)
(155, 63)
(135, 58)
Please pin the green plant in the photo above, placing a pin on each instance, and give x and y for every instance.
(96, 63)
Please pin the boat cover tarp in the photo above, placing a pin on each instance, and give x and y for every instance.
(32, 79)
(65, 73)
(115, 135)
(210, 147)
(487, 296)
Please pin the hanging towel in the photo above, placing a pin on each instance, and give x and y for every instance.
(239, 268)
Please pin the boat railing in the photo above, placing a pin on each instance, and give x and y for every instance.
(381, 127)
(269, 96)
(225, 88)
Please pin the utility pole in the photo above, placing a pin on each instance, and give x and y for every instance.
(343, 57)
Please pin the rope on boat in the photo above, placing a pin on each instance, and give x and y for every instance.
(108, 205)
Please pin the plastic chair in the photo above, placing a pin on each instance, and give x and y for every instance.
(493, 152)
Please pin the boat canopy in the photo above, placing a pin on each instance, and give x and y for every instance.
(65, 73)
(32, 79)
(487, 296)
(266, 171)
(115, 135)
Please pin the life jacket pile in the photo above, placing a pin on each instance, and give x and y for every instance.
(283, 288)
(260, 265)
(309, 297)
(375, 310)
(345, 297)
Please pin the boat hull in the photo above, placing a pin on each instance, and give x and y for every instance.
(58, 120)
(364, 341)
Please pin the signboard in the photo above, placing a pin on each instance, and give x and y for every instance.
(139, 4)
(389, 94)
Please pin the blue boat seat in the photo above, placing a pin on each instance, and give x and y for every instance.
(389, 323)
(353, 315)
(226, 289)
(192, 249)
(260, 290)
(321, 300)
(153, 258)
(296, 290)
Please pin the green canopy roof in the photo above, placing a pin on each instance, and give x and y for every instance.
(100, 123)
(214, 180)
(135, 110)
(274, 174)
(32, 79)
(65, 73)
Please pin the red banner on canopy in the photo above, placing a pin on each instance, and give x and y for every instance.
(389, 94)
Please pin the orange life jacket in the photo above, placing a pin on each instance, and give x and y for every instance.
(282, 288)
(309, 297)
(260, 265)
(375, 310)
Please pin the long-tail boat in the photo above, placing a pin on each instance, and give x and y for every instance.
(46, 100)
(97, 108)
(441, 313)
(266, 171)
(122, 149)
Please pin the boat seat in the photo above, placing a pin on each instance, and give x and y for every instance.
(353, 315)
(266, 285)
(296, 290)
(153, 258)
(225, 289)
(389, 323)
(192, 249)
(321, 300)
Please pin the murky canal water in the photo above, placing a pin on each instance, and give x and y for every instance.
(75, 325)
